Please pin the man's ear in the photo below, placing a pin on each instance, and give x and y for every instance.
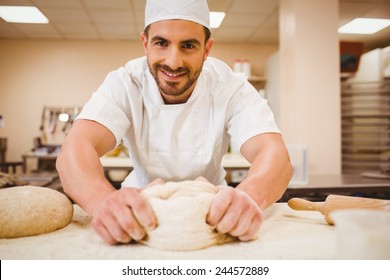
(207, 48)
(144, 42)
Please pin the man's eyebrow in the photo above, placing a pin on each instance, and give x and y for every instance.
(191, 41)
(187, 41)
(158, 38)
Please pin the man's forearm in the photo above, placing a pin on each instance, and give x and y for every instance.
(268, 176)
(82, 177)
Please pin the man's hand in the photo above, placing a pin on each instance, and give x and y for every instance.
(233, 211)
(123, 216)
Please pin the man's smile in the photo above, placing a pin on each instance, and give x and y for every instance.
(171, 75)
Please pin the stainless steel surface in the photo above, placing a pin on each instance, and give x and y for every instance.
(320, 186)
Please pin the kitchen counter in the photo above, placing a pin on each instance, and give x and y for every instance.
(286, 234)
(231, 160)
(320, 186)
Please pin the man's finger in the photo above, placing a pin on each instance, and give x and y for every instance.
(253, 230)
(141, 209)
(219, 205)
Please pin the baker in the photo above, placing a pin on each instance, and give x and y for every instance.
(176, 110)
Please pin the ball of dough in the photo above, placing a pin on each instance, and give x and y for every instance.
(30, 210)
(181, 209)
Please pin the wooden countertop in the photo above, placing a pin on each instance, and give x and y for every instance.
(285, 234)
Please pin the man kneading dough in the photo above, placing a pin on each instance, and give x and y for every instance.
(177, 110)
(181, 210)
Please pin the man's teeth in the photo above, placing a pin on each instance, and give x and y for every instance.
(173, 75)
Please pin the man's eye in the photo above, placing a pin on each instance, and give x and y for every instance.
(161, 43)
(188, 46)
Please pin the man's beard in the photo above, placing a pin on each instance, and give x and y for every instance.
(172, 88)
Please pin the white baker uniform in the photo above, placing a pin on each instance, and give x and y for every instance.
(180, 141)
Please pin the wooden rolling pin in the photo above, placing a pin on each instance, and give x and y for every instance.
(336, 202)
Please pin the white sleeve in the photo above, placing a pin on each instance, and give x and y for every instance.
(109, 106)
(250, 116)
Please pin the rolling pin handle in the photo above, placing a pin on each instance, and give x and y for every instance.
(303, 204)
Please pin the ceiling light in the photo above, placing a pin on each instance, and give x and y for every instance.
(364, 26)
(22, 14)
(216, 19)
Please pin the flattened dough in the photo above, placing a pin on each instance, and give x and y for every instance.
(30, 210)
(181, 209)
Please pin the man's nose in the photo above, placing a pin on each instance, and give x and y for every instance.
(174, 58)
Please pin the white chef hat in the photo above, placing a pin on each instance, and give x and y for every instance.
(192, 10)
